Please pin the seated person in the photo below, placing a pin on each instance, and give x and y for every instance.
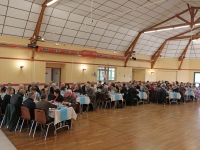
(58, 97)
(17, 100)
(50, 96)
(106, 92)
(45, 105)
(90, 93)
(45, 86)
(30, 104)
(62, 86)
(134, 92)
(175, 88)
(6, 99)
(69, 100)
(37, 95)
(77, 90)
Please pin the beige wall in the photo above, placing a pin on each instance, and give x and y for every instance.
(71, 66)
(139, 74)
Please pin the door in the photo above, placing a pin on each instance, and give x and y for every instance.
(56, 75)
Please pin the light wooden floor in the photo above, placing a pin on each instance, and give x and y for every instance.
(144, 127)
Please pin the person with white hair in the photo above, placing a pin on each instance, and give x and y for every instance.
(69, 100)
(90, 93)
(62, 86)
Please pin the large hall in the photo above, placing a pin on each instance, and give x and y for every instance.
(99, 74)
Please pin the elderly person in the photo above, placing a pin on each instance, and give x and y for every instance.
(45, 105)
(30, 104)
(21, 87)
(145, 89)
(31, 86)
(90, 93)
(37, 95)
(52, 88)
(62, 86)
(106, 92)
(43, 90)
(69, 100)
(77, 90)
(50, 96)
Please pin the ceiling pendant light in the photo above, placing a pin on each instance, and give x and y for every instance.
(51, 2)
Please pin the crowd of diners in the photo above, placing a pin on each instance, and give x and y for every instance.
(33, 97)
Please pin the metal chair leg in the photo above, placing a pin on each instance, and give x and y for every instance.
(2, 121)
(21, 126)
(31, 127)
(17, 124)
(46, 132)
(35, 129)
(105, 104)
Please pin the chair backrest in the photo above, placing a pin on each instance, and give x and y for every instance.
(78, 108)
(102, 97)
(25, 113)
(40, 116)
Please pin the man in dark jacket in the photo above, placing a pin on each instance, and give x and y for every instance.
(50, 96)
(30, 104)
(17, 100)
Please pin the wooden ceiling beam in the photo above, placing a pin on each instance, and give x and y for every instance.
(151, 28)
(157, 54)
(171, 26)
(185, 37)
(131, 48)
(183, 20)
(35, 36)
(186, 32)
(181, 58)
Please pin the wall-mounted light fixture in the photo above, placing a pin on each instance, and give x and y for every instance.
(21, 65)
(152, 72)
(84, 69)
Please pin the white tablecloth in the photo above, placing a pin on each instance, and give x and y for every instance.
(189, 93)
(116, 97)
(174, 95)
(55, 113)
(143, 95)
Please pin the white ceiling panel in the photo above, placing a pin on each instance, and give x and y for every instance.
(60, 14)
(66, 39)
(102, 45)
(91, 43)
(80, 41)
(69, 32)
(3, 10)
(20, 4)
(57, 22)
(16, 13)
(18, 23)
(2, 18)
(83, 35)
(13, 31)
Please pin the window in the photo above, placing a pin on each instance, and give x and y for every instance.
(110, 74)
(197, 78)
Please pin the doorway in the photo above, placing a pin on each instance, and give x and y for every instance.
(53, 74)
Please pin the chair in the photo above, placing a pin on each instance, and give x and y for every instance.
(103, 99)
(78, 111)
(25, 116)
(40, 118)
